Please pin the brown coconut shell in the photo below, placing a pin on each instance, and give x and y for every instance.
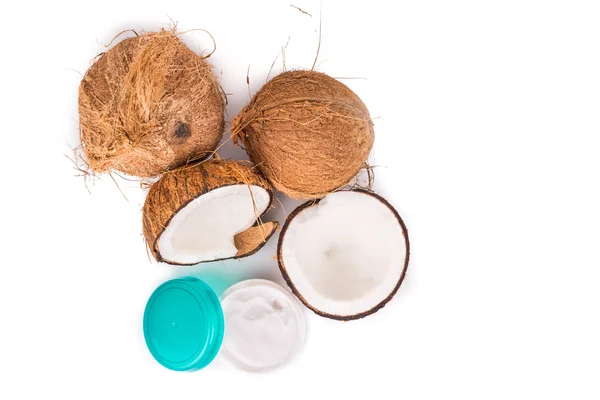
(147, 105)
(308, 133)
(295, 291)
(174, 190)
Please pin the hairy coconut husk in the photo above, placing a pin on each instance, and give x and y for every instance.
(308, 133)
(177, 188)
(147, 105)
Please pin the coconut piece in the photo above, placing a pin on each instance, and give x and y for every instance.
(147, 105)
(247, 242)
(344, 256)
(207, 212)
(308, 133)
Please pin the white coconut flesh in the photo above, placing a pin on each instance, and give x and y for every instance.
(204, 229)
(346, 254)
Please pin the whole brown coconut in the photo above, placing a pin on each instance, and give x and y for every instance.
(147, 105)
(308, 133)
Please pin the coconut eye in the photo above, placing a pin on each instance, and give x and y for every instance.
(182, 131)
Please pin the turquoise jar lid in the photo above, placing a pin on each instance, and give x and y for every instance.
(183, 324)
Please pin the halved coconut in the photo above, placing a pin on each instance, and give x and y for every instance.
(207, 212)
(344, 256)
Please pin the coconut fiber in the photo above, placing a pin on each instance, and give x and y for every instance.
(307, 132)
(147, 105)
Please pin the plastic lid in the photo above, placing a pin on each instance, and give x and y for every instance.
(183, 324)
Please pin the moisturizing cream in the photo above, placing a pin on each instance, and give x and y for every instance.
(264, 326)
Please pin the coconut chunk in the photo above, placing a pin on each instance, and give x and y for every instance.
(250, 241)
(207, 212)
(344, 256)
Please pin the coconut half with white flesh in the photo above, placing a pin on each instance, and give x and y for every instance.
(207, 212)
(344, 256)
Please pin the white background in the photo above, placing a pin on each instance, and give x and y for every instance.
(487, 123)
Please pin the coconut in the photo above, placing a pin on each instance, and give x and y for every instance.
(308, 133)
(207, 212)
(344, 256)
(147, 105)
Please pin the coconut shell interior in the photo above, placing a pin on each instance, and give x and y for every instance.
(299, 288)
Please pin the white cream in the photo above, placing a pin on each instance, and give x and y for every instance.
(264, 325)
